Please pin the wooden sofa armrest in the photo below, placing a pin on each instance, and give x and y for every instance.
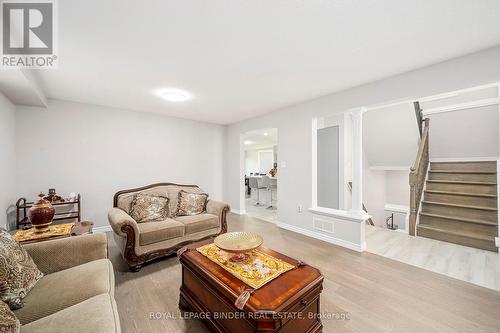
(118, 218)
(220, 209)
(58, 254)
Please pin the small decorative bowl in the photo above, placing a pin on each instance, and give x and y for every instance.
(239, 243)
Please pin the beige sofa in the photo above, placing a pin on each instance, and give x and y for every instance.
(76, 293)
(143, 242)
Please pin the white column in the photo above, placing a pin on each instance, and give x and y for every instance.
(357, 161)
(241, 175)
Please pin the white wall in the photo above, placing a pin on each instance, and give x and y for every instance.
(99, 150)
(251, 161)
(466, 133)
(390, 136)
(294, 127)
(374, 195)
(397, 187)
(7, 162)
(381, 187)
(266, 160)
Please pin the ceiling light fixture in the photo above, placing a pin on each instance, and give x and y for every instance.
(174, 95)
(265, 134)
(247, 142)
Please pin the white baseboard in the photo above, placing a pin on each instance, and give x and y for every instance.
(106, 228)
(497, 241)
(323, 237)
(465, 159)
(238, 211)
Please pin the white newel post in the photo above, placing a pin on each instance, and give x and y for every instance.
(357, 161)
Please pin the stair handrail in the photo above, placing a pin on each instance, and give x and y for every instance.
(419, 114)
(418, 172)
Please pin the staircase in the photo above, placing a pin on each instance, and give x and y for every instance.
(460, 204)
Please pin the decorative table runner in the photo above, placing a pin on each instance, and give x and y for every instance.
(259, 269)
(54, 231)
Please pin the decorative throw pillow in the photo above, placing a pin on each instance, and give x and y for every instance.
(18, 272)
(190, 203)
(8, 320)
(148, 208)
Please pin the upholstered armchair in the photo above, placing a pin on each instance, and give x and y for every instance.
(140, 243)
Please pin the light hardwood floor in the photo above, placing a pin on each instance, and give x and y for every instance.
(380, 294)
(261, 212)
(469, 264)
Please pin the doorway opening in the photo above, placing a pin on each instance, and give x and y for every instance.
(260, 151)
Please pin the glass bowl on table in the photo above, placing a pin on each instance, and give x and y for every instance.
(238, 244)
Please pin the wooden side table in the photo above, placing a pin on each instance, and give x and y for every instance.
(79, 229)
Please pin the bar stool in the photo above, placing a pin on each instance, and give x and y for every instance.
(256, 183)
(271, 184)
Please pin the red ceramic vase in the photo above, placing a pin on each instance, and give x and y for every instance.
(41, 214)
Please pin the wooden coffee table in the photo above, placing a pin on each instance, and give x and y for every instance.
(289, 303)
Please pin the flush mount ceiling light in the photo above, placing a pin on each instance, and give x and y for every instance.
(265, 134)
(174, 95)
(247, 142)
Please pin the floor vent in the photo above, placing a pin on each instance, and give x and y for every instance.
(323, 225)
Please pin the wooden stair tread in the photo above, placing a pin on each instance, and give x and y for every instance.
(460, 205)
(463, 162)
(458, 218)
(460, 182)
(462, 193)
(462, 233)
(464, 172)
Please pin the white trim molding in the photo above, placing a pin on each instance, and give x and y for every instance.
(104, 228)
(353, 216)
(397, 208)
(462, 106)
(357, 161)
(323, 237)
(238, 211)
(410, 100)
(464, 159)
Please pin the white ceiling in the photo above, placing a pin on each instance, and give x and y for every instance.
(266, 137)
(240, 59)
